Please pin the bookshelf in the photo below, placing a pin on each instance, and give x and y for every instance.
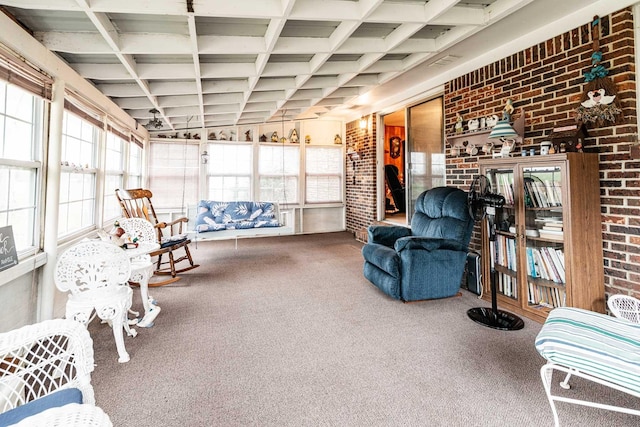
(548, 247)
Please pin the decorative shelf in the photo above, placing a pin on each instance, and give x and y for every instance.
(479, 137)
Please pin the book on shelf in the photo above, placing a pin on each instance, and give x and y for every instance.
(546, 263)
(551, 234)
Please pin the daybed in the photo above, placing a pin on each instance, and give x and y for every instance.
(216, 220)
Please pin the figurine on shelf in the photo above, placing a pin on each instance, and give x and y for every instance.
(212, 136)
(459, 126)
(263, 138)
(492, 121)
(473, 125)
(196, 136)
(508, 110)
(307, 139)
(274, 136)
(247, 136)
(293, 137)
(222, 136)
(337, 139)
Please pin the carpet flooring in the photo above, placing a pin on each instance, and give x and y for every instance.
(285, 331)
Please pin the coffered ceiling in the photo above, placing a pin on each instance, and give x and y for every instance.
(221, 63)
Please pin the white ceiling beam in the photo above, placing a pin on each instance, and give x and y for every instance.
(232, 85)
(103, 71)
(173, 88)
(120, 90)
(261, 96)
(435, 8)
(110, 34)
(227, 70)
(276, 84)
(326, 10)
(400, 34)
(220, 109)
(177, 100)
(302, 45)
(223, 98)
(276, 69)
(73, 42)
(153, 43)
(166, 72)
(193, 39)
(231, 45)
(133, 103)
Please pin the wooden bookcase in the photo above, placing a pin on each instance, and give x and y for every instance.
(548, 246)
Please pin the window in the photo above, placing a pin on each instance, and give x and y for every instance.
(78, 177)
(134, 178)
(229, 172)
(323, 174)
(279, 171)
(173, 175)
(114, 175)
(20, 166)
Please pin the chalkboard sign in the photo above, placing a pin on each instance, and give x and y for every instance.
(8, 254)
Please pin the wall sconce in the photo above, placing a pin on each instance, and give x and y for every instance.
(363, 123)
(204, 157)
(353, 155)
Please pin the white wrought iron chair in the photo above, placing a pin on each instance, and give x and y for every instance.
(141, 266)
(39, 360)
(96, 274)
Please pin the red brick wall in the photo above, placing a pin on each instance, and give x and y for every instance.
(546, 82)
(361, 200)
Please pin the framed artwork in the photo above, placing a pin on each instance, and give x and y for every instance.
(395, 147)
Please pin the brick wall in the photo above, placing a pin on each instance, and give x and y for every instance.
(546, 82)
(361, 200)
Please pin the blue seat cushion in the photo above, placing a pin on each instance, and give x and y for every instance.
(215, 215)
(53, 400)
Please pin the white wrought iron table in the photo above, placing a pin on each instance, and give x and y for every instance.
(141, 271)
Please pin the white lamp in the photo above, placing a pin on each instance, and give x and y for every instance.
(504, 132)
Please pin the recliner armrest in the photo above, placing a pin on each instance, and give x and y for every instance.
(386, 234)
(428, 243)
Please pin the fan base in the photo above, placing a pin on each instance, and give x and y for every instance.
(500, 319)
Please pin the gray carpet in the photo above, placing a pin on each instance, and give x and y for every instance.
(287, 332)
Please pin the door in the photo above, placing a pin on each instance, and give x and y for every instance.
(425, 158)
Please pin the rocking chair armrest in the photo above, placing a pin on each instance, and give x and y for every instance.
(179, 222)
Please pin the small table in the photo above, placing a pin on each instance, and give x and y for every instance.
(141, 271)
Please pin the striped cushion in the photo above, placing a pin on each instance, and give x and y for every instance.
(593, 343)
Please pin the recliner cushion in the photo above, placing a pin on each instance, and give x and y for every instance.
(383, 257)
(53, 400)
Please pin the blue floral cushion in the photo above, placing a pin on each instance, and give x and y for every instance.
(214, 216)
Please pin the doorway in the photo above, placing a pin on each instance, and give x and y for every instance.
(395, 206)
(413, 157)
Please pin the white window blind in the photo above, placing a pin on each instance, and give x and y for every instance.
(229, 172)
(173, 175)
(323, 174)
(78, 179)
(279, 171)
(114, 175)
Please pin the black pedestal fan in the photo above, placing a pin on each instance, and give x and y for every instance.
(483, 204)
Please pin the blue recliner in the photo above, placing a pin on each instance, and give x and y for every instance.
(426, 261)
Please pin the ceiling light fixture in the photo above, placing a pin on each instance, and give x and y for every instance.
(154, 123)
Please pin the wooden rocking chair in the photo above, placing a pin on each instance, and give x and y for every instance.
(136, 203)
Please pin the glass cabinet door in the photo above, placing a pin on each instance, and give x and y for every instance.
(543, 237)
(503, 247)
